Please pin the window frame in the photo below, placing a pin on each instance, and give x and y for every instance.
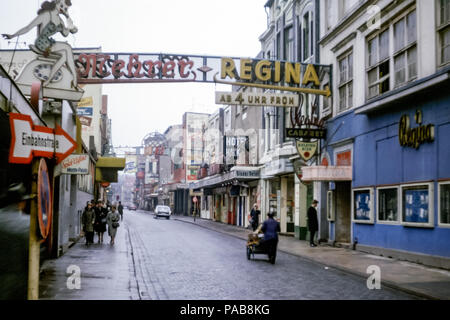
(378, 64)
(349, 80)
(441, 28)
(430, 223)
(395, 222)
(371, 206)
(405, 49)
(440, 224)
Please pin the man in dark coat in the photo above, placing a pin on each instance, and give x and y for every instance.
(313, 224)
(120, 209)
(270, 227)
(254, 214)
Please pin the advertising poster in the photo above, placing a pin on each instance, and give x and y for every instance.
(416, 204)
(362, 205)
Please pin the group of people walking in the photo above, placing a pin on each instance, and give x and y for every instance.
(97, 216)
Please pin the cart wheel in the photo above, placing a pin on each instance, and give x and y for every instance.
(249, 251)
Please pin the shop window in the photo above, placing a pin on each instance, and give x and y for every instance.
(387, 206)
(417, 205)
(362, 208)
(444, 204)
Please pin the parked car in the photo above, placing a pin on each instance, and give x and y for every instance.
(162, 211)
(132, 207)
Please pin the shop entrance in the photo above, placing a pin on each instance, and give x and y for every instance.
(343, 212)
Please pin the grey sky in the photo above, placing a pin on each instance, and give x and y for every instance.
(210, 27)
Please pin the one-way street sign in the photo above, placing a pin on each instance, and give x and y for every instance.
(28, 141)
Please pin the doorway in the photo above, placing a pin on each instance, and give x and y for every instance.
(343, 212)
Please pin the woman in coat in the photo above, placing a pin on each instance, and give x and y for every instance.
(100, 221)
(88, 219)
(113, 219)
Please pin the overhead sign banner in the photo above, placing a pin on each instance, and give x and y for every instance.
(257, 99)
(75, 164)
(28, 141)
(160, 67)
(307, 150)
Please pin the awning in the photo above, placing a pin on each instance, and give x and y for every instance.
(329, 173)
(107, 168)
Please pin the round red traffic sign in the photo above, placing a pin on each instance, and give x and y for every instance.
(44, 200)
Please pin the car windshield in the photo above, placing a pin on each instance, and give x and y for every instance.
(163, 208)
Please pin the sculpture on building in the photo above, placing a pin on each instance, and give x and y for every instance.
(54, 58)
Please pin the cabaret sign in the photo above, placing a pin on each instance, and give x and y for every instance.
(159, 67)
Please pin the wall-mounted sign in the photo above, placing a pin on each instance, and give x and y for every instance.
(75, 164)
(44, 200)
(233, 146)
(85, 102)
(85, 111)
(28, 141)
(306, 128)
(306, 133)
(414, 137)
(257, 99)
(85, 121)
(306, 149)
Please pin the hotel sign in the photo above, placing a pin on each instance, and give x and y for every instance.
(257, 99)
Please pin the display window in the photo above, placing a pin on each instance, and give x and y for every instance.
(388, 205)
(362, 205)
(417, 205)
(444, 204)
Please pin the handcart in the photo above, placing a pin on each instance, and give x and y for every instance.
(254, 246)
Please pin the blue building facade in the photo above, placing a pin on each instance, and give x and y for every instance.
(400, 157)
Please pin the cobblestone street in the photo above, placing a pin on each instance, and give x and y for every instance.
(161, 259)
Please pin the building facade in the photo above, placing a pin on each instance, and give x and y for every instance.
(390, 127)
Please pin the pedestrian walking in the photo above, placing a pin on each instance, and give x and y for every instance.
(313, 224)
(120, 209)
(113, 219)
(100, 221)
(88, 219)
(270, 227)
(254, 216)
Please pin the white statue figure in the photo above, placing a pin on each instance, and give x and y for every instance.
(49, 22)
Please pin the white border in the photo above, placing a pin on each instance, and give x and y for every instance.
(399, 208)
(430, 223)
(440, 224)
(372, 219)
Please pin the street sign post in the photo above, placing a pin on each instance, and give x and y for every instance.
(28, 141)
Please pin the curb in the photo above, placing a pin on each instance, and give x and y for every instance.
(386, 283)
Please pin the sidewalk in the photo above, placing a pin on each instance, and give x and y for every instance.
(426, 282)
(106, 271)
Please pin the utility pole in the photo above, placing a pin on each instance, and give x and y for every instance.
(35, 243)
